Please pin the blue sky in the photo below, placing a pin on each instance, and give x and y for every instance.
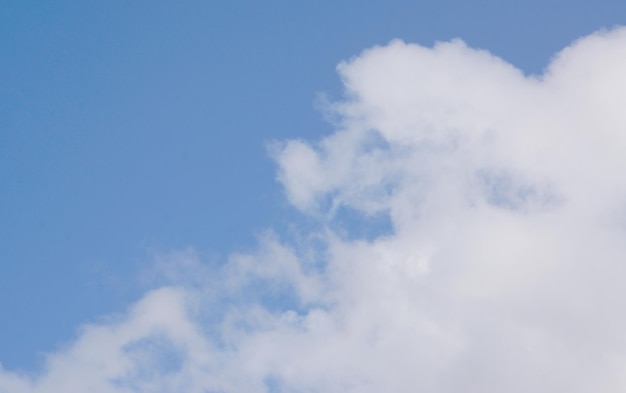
(131, 129)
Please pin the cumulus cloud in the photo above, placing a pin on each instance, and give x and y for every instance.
(503, 269)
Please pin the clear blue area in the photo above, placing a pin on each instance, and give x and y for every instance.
(129, 128)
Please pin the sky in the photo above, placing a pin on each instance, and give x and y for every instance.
(324, 196)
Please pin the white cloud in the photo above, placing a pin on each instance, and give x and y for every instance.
(503, 272)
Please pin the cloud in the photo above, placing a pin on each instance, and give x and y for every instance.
(502, 271)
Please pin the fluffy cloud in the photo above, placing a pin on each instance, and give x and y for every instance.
(503, 269)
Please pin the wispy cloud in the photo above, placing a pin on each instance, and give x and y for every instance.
(503, 270)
